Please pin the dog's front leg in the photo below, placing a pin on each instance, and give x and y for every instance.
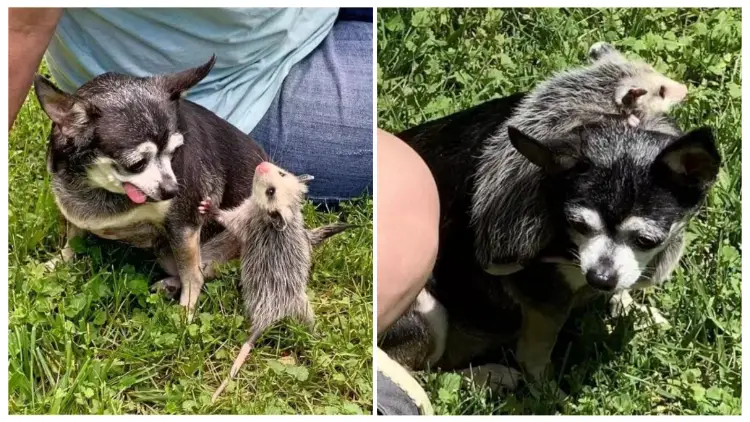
(185, 243)
(66, 254)
(538, 337)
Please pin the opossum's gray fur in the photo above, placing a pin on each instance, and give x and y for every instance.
(276, 263)
(508, 214)
(276, 253)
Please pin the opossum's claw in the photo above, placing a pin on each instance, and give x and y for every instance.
(206, 206)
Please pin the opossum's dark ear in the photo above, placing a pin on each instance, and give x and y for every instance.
(278, 220)
(551, 159)
(690, 162)
(304, 178)
(176, 83)
(69, 113)
(632, 95)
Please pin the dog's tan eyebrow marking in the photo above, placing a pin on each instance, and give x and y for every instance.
(144, 150)
(175, 141)
(586, 215)
(642, 226)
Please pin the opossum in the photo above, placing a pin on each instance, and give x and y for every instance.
(276, 251)
(508, 215)
(647, 93)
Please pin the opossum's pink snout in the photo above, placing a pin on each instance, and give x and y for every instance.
(263, 167)
(675, 91)
(679, 92)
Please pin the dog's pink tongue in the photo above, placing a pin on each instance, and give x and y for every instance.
(134, 193)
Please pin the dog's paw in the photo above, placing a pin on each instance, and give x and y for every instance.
(538, 372)
(622, 304)
(65, 256)
(52, 264)
(654, 316)
(503, 269)
(495, 376)
(171, 287)
(206, 207)
(189, 301)
(547, 389)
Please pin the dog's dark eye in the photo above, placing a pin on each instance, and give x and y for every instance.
(282, 174)
(580, 227)
(270, 191)
(645, 243)
(138, 166)
(662, 91)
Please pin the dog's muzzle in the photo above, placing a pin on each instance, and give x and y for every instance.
(168, 190)
(602, 278)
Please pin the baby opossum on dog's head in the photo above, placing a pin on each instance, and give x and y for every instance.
(276, 251)
(646, 93)
(509, 217)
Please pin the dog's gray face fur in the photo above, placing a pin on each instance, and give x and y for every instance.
(625, 196)
(119, 131)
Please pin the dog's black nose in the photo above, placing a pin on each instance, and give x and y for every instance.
(602, 279)
(168, 190)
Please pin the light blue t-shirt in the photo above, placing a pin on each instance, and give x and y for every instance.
(255, 49)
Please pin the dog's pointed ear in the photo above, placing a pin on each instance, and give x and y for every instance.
(305, 178)
(552, 160)
(691, 161)
(70, 114)
(278, 220)
(53, 100)
(176, 83)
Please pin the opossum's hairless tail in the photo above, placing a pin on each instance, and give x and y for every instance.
(320, 234)
(244, 351)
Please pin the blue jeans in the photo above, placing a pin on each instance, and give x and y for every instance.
(320, 122)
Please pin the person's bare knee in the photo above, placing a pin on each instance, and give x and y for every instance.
(408, 220)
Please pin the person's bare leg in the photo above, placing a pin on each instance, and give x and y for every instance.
(408, 220)
(29, 32)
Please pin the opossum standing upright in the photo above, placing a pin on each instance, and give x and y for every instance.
(508, 215)
(276, 251)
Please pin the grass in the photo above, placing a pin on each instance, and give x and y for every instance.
(433, 62)
(89, 338)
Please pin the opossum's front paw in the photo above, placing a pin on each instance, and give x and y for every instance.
(633, 121)
(206, 207)
(495, 376)
(171, 287)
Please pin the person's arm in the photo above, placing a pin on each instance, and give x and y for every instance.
(408, 223)
(29, 33)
